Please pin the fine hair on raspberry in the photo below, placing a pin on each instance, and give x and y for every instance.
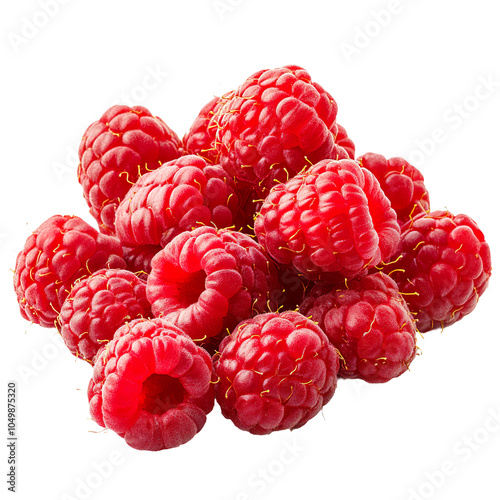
(199, 139)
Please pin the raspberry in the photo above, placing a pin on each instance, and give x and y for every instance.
(199, 139)
(207, 280)
(443, 267)
(151, 385)
(275, 372)
(252, 202)
(115, 151)
(344, 141)
(277, 122)
(401, 182)
(97, 306)
(182, 194)
(61, 251)
(330, 222)
(139, 258)
(368, 321)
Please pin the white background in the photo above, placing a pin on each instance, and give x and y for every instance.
(412, 87)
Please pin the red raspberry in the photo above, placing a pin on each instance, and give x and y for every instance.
(401, 182)
(139, 258)
(444, 266)
(97, 306)
(199, 139)
(207, 280)
(151, 385)
(275, 372)
(330, 222)
(368, 321)
(115, 151)
(277, 122)
(182, 194)
(251, 202)
(344, 141)
(61, 251)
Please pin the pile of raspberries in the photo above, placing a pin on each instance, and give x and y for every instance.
(253, 262)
